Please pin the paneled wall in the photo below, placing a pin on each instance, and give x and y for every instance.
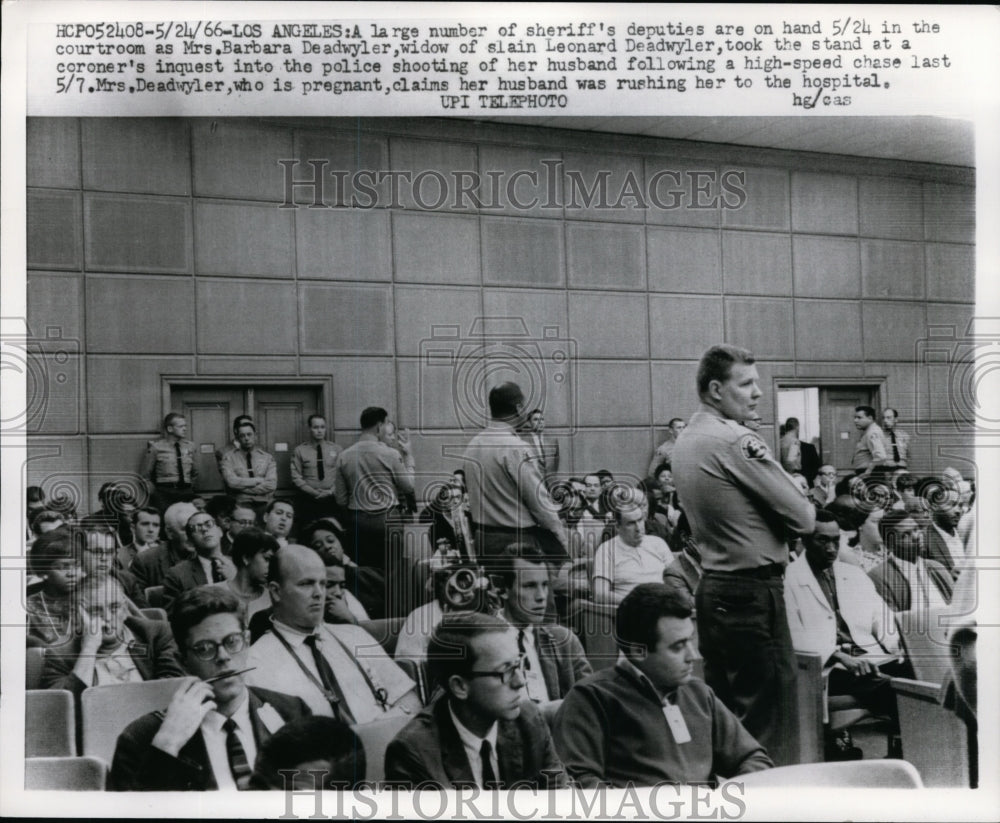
(159, 246)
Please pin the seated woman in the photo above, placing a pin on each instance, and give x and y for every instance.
(50, 610)
(368, 585)
(251, 553)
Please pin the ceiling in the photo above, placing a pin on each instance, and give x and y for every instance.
(922, 139)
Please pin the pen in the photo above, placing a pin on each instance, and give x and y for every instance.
(228, 674)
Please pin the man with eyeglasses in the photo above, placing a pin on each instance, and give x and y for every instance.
(824, 490)
(208, 565)
(480, 731)
(208, 736)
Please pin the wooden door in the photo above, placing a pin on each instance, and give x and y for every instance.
(209, 413)
(280, 413)
(838, 436)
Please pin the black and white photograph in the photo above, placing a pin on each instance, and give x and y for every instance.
(574, 459)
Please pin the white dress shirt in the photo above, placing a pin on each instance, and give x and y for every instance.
(956, 548)
(473, 746)
(215, 742)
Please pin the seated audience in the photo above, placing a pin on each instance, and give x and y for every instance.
(115, 514)
(252, 553)
(278, 519)
(51, 609)
(646, 720)
(366, 584)
(553, 657)
(222, 507)
(341, 605)
(824, 489)
(97, 551)
(450, 521)
(207, 565)
(146, 536)
(211, 731)
(479, 729)
(310, 753)
(112, 647)
(149, 568)
(850, 519)
(338, 670)
(943, 543)
(630, 558)
(907, 580)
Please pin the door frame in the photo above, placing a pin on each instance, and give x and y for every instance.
(876, 384)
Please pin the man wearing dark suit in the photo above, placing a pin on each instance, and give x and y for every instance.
(906, 579)
(113, 648)
(553, 657)
(450, 521)
(943, 543)
(210, 733)
(208, 565)
(544, 450)
(150, 567)
(479, 731)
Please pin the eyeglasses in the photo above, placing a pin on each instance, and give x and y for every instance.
(204, 526)
(100, 551)
(506, 673)
(245, 522)
(208, 649)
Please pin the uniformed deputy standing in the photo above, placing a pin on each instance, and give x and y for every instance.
(169, 465)
(741, 505)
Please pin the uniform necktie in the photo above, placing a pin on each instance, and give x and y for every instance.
(218, 573)
(320, 468)
(895, 448)
(489, 777)
(180, 462)
(249, 465)
(238, 764)
(326, 675)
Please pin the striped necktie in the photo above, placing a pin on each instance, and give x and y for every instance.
(238, 764)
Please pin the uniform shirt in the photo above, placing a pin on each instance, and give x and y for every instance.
(160, 463)
(371, 476)
(902, 447)
(473, 745)
(236, 477)
(739, 501)
(506, 488)
(870, 448)
(215, 742)
(625, 566)
(305, 471)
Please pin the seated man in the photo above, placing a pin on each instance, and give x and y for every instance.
(113, 647)
(149, 568)
(146, 536)
(479, 730)
(646, 720)
(906, 580)
(630, 558)
(208, 565)
(833, 610)
(96, 551)
(278, 519)
(117, 501)
(221, 507)
(310, 753)
(824, 489)
(553, 657)
(338, 670)
(50, 610)
(213, 727)
(341, 605)
(252, 553)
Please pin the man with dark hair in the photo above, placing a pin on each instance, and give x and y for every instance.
(117, 499)
(279, 516)
(149, 568)
(337, 669)
(646, 721)
(146, 536)
(479, 730)
(170, 466)
(369, 480)
(824, 489)
(208, 565)
(249, 472)
(897, 441)
(743, 508)
(553, 657)
(943, 543)
(508, 498)
(221, 507)
(870, 451)
(906, 580)
(666, 448)
(545, 451)
(313, 464)
(214, 725)
(309, 754)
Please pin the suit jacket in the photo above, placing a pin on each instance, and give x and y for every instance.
(893, 587)
(562, 659)
(429, 749)
(813, 623)
(139, 766)
(188, 574)
(149, 568)
(154, 653)
(684, 573)
(810, 461)
(937, 550)
(442, 528)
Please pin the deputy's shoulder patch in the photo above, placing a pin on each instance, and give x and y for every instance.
(752, 447)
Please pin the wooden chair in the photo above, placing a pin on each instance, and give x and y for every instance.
(77, 774)
(850, 774)
(376, 737)
(34, 663)
(49, 723)
(595, 626)
(934, 740)
(107, 710)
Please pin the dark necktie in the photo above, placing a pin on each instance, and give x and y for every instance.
(249, 465)
(218, 573)
(895, 448)
(180, 463)
(326, 675)
(521, 651)
(489, 777)
(320, 469)
(238, 764)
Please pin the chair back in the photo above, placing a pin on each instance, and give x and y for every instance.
(595, 625)
(34, 662)
(852, 774)
(154, 596)
(49, 723)
(385, 631)
(376, 737)
(107, 710)
(934, 739)
(76, 774)
(155, 614)
(810, 707)
(924, 633)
